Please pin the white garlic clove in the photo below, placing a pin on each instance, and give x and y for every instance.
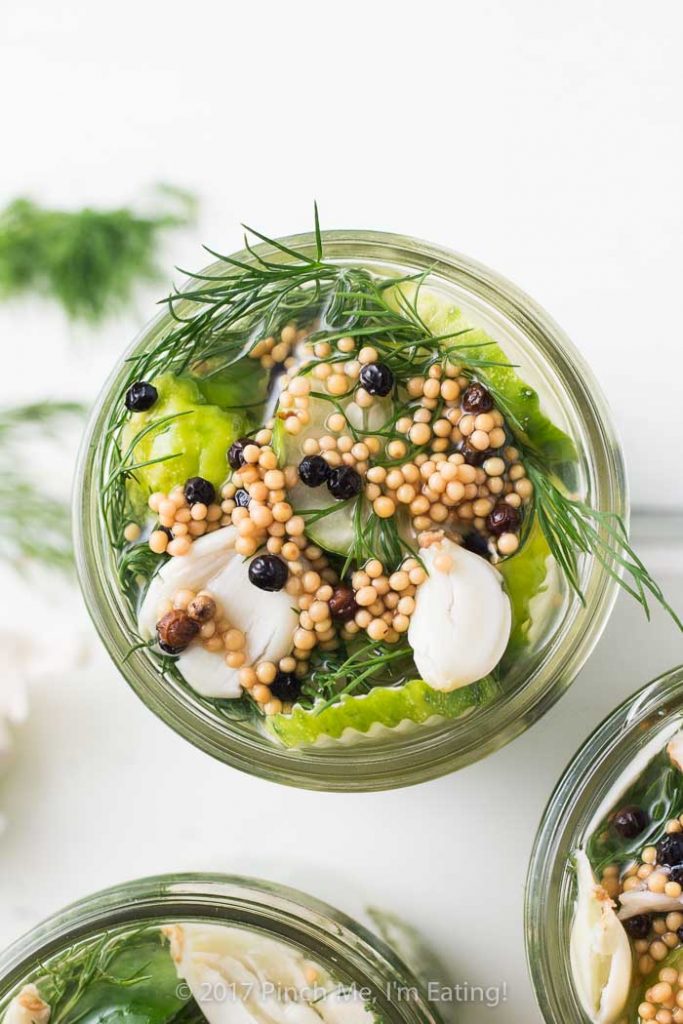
(600, 952)
(462, 619)
(267, 619)
(644, 901)
(256, 972)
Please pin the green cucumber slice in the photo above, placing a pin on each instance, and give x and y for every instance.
(241, 385)
(540, 433)
(525, 576)
(198, 438)
(333, 532)
(414, 701)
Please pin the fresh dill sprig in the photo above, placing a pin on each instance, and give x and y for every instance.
(123, 467)
(65, 980)
(88, 260)
(48, 415)
(345, 674)
(136, 566)
(314, 515)
(34, 526)
(571, 528)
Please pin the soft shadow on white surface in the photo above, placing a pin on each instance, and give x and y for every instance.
(101, 791)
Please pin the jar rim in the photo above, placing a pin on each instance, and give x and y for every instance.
(420, 754)
(576, 802)
(331, 937)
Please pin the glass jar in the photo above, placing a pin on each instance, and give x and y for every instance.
(649, 716)
(549, 662)
(339, 945)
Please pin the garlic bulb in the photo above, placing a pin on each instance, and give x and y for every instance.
(600, 952)
(462, 619)
(267, 619)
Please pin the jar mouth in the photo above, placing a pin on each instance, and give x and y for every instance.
(577, 803)
(337, 942)
(426, 752)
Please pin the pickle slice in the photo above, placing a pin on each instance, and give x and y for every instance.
(335, 530)
(414, 701)
(192, 439)
(525, 576)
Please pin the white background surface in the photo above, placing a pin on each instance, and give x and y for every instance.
(543, 139)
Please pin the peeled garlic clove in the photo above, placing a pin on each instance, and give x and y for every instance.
(266, 618)
(255, 971)
(462, 619)
(644, 901)
(27, 1007)
(600, 952)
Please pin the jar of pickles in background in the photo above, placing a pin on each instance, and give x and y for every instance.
(604, 900)
(402, 731)
(198, 948)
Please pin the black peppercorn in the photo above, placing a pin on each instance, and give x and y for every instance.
(285, 687)
(630, 821)
(471, 455)
(670, 849)
(477, 544)
(638, 927)
(476, 398)
(268, 572)
(242, 498)
(141, 396)
(503, 519)
(344, 483)
(197, 489)
(236, 451)
(313, 470)
(377, 379)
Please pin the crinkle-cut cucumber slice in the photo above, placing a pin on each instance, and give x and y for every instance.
(414, 701)
(192, 439)
(443, 317)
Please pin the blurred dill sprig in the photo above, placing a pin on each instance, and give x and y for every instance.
(88, 260)
(34, 525)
